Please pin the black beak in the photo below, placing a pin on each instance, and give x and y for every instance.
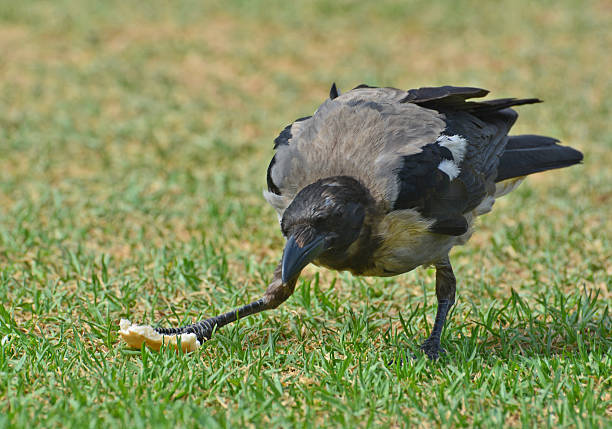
(295, 258)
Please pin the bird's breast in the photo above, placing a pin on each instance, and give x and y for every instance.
(407, 243)
(397, 242)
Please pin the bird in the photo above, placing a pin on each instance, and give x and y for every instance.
(380, 181)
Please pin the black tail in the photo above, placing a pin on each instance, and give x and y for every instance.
(528, 154)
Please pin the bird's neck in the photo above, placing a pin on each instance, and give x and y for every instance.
(358, 256)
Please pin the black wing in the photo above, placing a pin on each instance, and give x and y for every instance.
(484, 127)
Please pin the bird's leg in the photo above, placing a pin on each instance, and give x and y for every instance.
(445, 293)
(276, 293)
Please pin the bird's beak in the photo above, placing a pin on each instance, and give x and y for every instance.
(295, 258)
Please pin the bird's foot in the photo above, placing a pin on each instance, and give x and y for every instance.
(431, 347)
(203, 329)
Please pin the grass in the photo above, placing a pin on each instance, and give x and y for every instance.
(134, 142)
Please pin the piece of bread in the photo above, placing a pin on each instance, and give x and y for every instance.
(135, 335)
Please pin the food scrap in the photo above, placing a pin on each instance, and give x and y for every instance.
(134, 335)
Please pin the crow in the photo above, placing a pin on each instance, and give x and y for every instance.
(380, 181)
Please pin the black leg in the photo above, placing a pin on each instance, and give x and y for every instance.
(445, 293)
(276, 294)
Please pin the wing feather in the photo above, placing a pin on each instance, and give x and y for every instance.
(392, 141)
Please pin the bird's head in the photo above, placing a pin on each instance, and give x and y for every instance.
(323, 220)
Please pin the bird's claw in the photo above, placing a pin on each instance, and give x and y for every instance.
(203, 330)
(431, 347)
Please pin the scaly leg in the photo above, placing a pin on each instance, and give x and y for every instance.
(445, 293)
(276, 294)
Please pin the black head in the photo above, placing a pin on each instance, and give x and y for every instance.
(324, 218)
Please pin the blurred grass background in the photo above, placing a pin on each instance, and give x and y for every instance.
(134, 141)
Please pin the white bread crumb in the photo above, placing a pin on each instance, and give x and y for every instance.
(135, 335)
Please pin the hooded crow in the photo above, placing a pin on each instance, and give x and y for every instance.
(380, 181)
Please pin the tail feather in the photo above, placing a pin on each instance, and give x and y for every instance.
(528, 154)
(502, 103)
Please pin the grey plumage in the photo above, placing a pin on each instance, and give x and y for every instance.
(379, 181)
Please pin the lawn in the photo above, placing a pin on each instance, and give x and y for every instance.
(134, 142)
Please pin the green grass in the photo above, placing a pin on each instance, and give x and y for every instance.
(134, 140)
